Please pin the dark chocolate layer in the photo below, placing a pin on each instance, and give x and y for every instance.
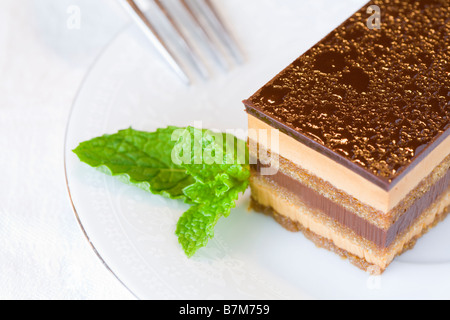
(382, 238)
(376, 101)
(322, 242)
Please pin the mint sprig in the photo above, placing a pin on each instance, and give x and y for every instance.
(207, 170)
(140, 158)
(217, 187)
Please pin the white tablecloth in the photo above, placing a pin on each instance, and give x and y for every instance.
(46, 48)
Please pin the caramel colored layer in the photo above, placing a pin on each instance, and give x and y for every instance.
(327, 190)
(322, 242)
(269, 194)
(347, 180)
(383, 238)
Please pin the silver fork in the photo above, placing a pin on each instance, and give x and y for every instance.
(201, 21)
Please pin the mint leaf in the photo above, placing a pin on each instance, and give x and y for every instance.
(207, 170)
(196, 226)
(217, 185)
(140, 158)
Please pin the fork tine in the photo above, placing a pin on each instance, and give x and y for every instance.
(184, 41)
(213, 49)
(210, 13)
(155, 38)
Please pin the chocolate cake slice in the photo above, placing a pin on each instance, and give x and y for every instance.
(363, 155)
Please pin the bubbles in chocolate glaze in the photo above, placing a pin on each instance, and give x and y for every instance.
(355, 31)
(444, 91)
(411, 60)
(422, 4)
(435, 104)
(385, 40)
(357, 78)
(275, 94)
(330, 62)
(376, 97)
(298, 63)
(425, 58)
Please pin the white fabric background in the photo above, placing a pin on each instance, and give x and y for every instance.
(43, 252)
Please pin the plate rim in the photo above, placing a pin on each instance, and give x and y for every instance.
(88, 73)
(123, 30)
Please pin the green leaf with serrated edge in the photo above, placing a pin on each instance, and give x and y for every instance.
(151, 161)
(217, 185)
(196, 226)
(140, 158)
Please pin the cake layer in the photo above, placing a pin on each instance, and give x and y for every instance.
(382, 238)
(375, 101)
(270, 195)
(327, 190)
(348, 180)
(325, 243)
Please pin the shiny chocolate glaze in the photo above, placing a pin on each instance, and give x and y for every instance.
(376, 101)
